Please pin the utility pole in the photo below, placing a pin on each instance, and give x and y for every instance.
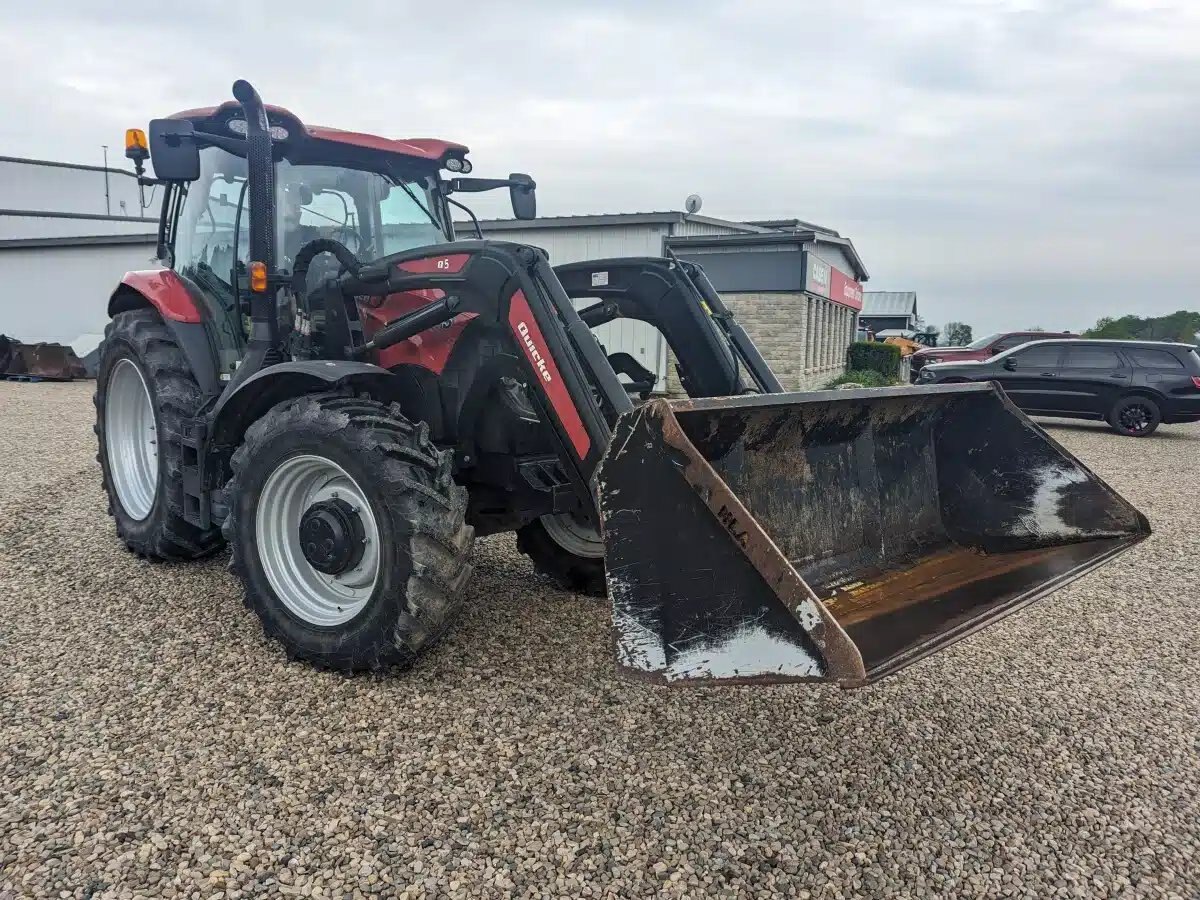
(107, 201)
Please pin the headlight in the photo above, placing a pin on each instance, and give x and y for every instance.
(278, 132)
(454, 164)
(925, 375)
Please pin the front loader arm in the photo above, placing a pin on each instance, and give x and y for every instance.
(575, 389)
(715, 356)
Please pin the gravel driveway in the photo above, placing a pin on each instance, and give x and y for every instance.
(153, 744)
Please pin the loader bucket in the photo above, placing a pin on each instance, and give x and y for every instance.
(54, 362)
(839, 535)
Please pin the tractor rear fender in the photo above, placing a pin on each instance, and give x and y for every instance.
(239, 408)
(163, 290)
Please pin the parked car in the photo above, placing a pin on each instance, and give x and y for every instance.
(1133, 385)
(984, 348)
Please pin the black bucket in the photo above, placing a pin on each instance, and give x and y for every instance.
(837, 535)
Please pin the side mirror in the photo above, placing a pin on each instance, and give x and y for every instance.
(173, 150)
(1010, 364)
(524, 200)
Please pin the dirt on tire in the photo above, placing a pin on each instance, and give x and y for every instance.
(142, 337)
(425, 543)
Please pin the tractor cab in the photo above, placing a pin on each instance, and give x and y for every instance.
(376, 196)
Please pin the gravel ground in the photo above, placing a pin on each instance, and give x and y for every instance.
(153, 744)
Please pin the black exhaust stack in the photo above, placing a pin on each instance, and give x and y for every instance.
(263, 346)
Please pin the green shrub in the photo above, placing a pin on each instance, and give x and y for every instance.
(875, 357)
(865, 377)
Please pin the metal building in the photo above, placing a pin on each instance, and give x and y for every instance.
(78, 226)
(889, 311)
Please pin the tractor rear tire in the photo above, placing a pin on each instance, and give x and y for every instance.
(144, 391)
(348, 532)
(551, 551)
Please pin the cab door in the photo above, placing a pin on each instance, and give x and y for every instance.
(1091, 379)
(1030, 377)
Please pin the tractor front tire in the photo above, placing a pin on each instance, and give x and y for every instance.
(348, 532)
(567, 551)
(144, 391)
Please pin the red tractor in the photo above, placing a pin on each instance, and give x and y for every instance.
(324, 377)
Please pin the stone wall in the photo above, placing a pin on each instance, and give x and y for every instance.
(802, 338)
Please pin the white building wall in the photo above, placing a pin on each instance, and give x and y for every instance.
(567, 245)
(62, 292)
(49, 226)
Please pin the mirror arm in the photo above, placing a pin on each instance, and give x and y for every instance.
(468, 211)
(478, 185)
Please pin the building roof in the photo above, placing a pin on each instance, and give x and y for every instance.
(773, 236)
(783, 231)
(65, 165)
(791, 225)
(665, 217)
(889, 303)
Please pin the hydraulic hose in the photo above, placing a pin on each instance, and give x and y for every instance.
(311, 251)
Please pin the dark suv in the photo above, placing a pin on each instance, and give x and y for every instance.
(1133, 385)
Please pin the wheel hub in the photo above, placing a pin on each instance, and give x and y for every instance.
(332, 536)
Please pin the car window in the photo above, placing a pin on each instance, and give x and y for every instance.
(1092, 358)
(1153, 359)
(1013, 340)
(1040, 357)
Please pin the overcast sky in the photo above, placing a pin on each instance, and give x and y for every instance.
(1015, 163)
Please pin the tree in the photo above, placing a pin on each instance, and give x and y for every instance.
(1182, 326)
(957, 334)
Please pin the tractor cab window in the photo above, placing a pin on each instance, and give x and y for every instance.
(206, 243)
(405, 213)
(366, 211)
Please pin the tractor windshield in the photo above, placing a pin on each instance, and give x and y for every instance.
(373, 214)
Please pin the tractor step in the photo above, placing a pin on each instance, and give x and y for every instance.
(197, 505)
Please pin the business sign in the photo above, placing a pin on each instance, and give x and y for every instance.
(824, 280)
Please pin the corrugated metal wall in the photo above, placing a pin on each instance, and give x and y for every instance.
(575, 244)
(690, 228)
(34, 309)
(834, 255)
(32, 184)
(52, 226)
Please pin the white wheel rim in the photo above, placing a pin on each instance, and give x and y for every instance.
(131, 439)
(574, 536)
(312, 596)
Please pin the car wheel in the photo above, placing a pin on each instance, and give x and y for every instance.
(1135, 416)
